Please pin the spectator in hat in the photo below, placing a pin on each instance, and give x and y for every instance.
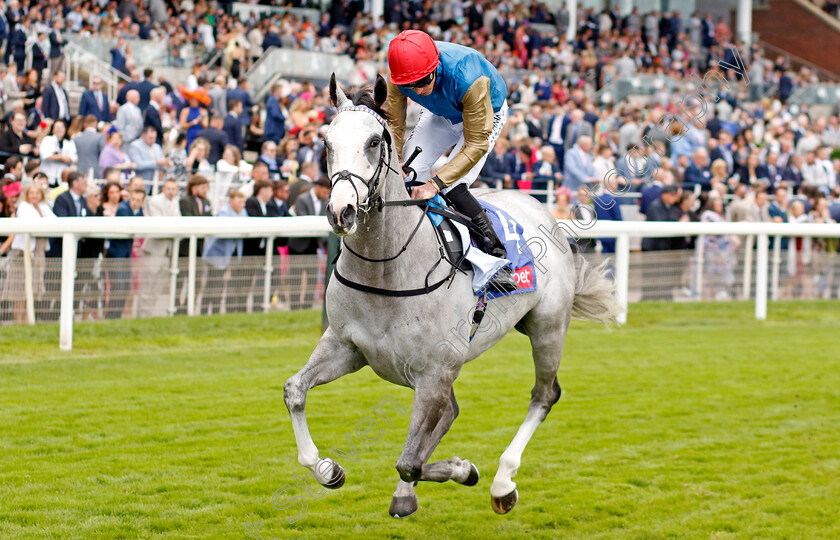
(193, 118)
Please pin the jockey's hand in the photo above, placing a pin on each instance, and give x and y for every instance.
(405, 174)
(426, 191)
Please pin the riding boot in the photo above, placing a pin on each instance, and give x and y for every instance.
(503, 281)
(464, 202)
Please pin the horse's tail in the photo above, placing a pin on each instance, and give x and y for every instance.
(595, 298)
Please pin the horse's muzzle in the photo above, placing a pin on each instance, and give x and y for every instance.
(344, 222)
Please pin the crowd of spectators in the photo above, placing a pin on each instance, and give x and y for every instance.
(209, 148)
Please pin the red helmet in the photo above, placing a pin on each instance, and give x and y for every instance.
(411, 56)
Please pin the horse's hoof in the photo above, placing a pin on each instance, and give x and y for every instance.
(402, 507)
(338, 477)
(472, 479)
(503, 505)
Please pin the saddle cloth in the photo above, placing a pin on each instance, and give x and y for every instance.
(485, 266)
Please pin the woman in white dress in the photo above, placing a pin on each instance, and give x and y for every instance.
(32, 205)
(57, 152)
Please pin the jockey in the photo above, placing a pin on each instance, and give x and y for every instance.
(464, 105)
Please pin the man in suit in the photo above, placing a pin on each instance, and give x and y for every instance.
(132, 84)
(665, 208)
(242, 94)
(156, 253)
(793, 173)
(56, 48)
(144, 88)
(268, 155)
(56, 105)
(118, 56)
(89, 145)
(259, 205)
(577, 128)
(218, 97)
(17, 43)
(217, 138)
(148, 156)
(130, 118)
(71, 203)
(579, 168)
(193, 203)
(697, 173)
(496, 167)
(95, 102)
(310, 203)
(120, 270)
(722, 151)
(233, 124)
(275, 122)
(280, 198)
(151, 114)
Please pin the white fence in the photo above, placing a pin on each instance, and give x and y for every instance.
(757, 237)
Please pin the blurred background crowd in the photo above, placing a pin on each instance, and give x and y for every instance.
(199, 140)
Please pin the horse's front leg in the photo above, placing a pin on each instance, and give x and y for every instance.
(331, 359)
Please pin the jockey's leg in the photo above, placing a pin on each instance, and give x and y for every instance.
(459, 196)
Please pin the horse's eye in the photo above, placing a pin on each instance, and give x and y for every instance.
(375, 142)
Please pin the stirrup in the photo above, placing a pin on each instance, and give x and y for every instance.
(503, 281)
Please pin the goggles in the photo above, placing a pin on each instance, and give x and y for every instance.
(425, 81)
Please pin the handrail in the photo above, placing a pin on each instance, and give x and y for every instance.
(260, 60)
(304, 226)
(80, 58)
(796, 59)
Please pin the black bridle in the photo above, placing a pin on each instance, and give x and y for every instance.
(374, 200)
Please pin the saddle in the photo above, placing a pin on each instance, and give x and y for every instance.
(449, 238)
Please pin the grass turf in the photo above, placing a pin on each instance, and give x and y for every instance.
(693, 421)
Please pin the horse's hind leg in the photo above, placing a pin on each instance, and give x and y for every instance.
(330, 360)
(547, 346)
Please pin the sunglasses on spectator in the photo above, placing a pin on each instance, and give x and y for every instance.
(425, 81)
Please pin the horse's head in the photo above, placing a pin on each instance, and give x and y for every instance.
(358, 147)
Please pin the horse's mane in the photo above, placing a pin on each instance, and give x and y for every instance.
(364, 96)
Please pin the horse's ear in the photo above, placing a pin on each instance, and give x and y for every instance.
(336, 93)
(380, 91)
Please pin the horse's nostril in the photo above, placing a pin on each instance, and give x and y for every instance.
(348, 215)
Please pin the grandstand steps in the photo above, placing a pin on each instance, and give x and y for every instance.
(802, 30)
(74, 95)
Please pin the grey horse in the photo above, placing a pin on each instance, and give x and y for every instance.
(421, 341)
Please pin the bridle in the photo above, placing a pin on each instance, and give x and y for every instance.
(373, 199)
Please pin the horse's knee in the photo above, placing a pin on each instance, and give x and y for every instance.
(409, 472)
(294, 394)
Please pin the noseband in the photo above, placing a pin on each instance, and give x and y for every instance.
(373, 199)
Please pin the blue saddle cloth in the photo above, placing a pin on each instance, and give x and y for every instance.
(519, 255)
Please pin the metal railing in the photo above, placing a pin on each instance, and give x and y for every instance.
(80, 63)
(192, 228)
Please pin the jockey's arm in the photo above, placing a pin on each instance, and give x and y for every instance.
(478, 124)
(396, 104)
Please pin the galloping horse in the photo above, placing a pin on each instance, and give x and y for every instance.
(389, 312)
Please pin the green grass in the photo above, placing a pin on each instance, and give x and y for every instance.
(693, 421)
